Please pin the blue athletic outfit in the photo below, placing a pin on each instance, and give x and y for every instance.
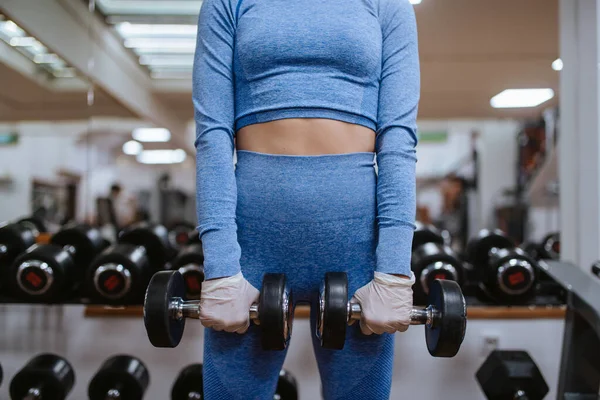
(350, 60)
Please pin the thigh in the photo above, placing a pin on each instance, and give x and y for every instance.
(236, 367)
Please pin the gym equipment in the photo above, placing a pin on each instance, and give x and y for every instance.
(505, 273)
(165, 310)
(511, 375)
(445, 318)
(1, 375)
(33, 223)
(432, 259)
(189, 385)
(50, 272)
(179, 234)
(549, 249)
(44, 377)
(287, 388)
(14, 239)
(190, 264)
(120, 274)
(120, 377)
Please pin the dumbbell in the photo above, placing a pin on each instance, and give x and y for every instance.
(511, 375)
(432, 259)
(1, 375)
(15, 239)
(50, 272)
(34, 223)
(165, 310)
(190, 264)
(179, 234)
(549, 249)
(120, 377)
(189, 385)
(505, 272)
(120, 274)
(44, 377)
(445, 318)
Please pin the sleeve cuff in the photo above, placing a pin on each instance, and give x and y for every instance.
(221, 253)
(394, 249)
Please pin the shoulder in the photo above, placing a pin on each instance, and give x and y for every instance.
(224, 10)
(396, 12)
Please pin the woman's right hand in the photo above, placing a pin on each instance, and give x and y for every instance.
(225, 303)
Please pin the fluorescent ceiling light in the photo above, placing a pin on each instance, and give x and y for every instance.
(167, 61)
(149, 7)
(520, 98)
(151, 134)
(129, 30)
(154, 44)
(557, 65)
(46, 59)
(11, 29)
(132, 148)
(25, 41)
(161, 156)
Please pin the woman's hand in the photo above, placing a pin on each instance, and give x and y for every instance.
(225, 303)
(386, 303)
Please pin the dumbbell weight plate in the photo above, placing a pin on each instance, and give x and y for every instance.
(550, 247)
(154, 238)
(189, 380)
(332, 317)
(275, 307)
(162, 329)
(287, 388)
(426, 234)
(86, 241)
(189, 262)
(14, 240)
(125, 373)
(446, 334)
(35, 223)
(52, 374)
(479, 247)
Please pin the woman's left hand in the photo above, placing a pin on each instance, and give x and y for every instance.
(386, 303)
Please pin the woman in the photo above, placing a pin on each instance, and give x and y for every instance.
(310, 91)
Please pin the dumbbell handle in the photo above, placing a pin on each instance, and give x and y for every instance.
(418, 316)
(179, 309)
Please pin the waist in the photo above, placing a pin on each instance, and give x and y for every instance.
(306, 136)
(295, 189)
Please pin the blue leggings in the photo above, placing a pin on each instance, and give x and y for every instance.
(303, 216)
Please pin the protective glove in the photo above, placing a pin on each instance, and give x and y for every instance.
(225, 303)
(386, 303)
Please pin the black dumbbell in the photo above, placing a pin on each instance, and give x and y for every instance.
(1, 375)
(34, 223)
(120, 377)
(50, 272)
(179, 234)
(44, 377)
(165, 310)
(120, 274)
(15, 239)
(549, 248)
(445, 318)
(432, 259)
(505, 272)
(190, 264)
(511, 375)
(189, 385)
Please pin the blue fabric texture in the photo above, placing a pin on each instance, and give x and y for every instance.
(349, 60)
(303, 216)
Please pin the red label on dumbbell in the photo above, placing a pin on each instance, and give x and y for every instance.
(516, 278)
(111, 282)
(33, 279)
(193, 282)
(441, 275)
(182, 238)
(556, 247)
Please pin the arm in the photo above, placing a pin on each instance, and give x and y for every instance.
(396, 136)
(213, 96)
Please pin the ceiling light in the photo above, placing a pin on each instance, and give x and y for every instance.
(520, 98)
(161, 156)
(129, 30)
(415, 1)
(149, 7)
(155, 44)
(22, 41)
(132, 148)
(46, 59)
(65, 73)
(151, 134)
(557, 65)
(11, 29)
(167, 61)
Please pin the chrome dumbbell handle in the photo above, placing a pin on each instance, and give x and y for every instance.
(179, 309)
(418, 316)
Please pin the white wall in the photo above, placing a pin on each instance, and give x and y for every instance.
(86, 342)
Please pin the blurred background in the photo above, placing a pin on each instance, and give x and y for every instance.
(96, 127)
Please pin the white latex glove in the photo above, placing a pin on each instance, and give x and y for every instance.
(225, 303)
(386, 303)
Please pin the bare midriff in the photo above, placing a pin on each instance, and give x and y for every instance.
(306, 136)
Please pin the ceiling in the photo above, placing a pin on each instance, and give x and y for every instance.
(470, 51)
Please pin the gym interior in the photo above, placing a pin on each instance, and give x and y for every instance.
(97, 194)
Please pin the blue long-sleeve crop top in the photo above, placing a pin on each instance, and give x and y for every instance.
(349, 60)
